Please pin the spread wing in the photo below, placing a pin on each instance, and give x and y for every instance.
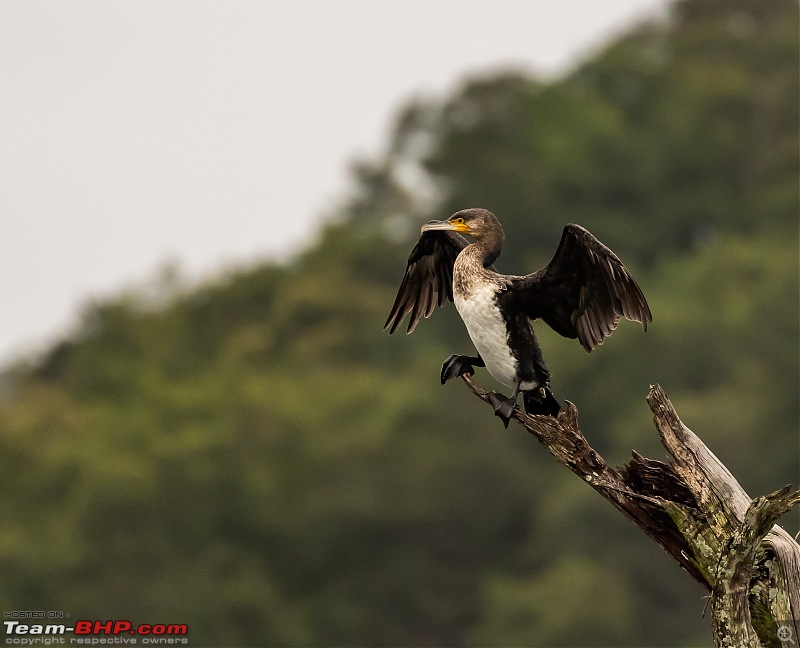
(428, 281)
(582, 292)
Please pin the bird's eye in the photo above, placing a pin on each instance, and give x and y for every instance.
(459, 221)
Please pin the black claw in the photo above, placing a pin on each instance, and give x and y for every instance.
(459, 365)
(503, 407)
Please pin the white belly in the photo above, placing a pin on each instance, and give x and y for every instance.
(488, 332)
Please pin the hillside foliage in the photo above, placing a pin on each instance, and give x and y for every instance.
(257, 458)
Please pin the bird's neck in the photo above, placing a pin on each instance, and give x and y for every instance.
(489, 248)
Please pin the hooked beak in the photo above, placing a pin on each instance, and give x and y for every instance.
(440, 225)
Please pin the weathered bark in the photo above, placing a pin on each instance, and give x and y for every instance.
(700, 515)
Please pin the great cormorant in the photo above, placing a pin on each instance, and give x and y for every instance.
(581, 293)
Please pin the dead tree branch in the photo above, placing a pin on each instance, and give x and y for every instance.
(700, 515)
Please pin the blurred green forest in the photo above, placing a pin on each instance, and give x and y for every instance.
(257, 458)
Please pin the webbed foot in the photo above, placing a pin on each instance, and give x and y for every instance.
(541, 402)
(459, 365)
(503, 407)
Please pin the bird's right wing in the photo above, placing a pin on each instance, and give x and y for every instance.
(428, 281)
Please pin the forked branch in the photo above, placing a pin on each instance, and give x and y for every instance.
(700, 515)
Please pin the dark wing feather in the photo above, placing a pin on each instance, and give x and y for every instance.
(428, 281)
(583, 291)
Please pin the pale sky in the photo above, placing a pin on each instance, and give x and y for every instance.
(209, 133)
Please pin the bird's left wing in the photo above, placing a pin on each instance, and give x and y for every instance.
(582, 292)
(428, 281)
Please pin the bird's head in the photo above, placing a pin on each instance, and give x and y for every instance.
(477, 223)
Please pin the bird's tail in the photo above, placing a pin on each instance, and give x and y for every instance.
(535, 403)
